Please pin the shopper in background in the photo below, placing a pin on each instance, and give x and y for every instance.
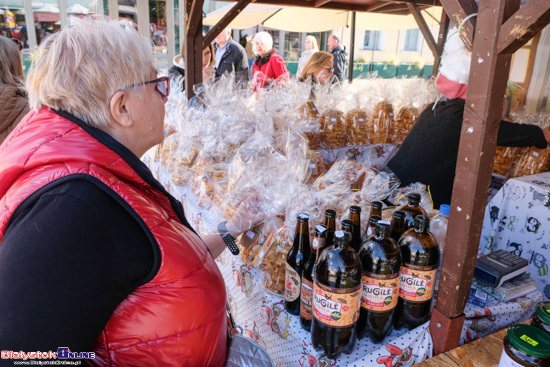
(268, 67)
(340, 56)
(319, 68)
(311, 48)
(429, 152)
(177, 71)
(95, 255)
(230, 56)
(13, 98)
(250, 53)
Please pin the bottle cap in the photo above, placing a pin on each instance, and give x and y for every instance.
(445, 209)
(355, 209)
(399, 214)
(303, 216)
(543, 312)
(330, 213)
(320, 229)
(342, 237)
(530, 340)
(383, 227)
(421, 221)
(413, 198)
(347, 225)
(374, 219)
(376, 204)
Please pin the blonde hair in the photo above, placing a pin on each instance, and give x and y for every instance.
(265, 40)
(317, 61)
(314, 45)
(79, 68)
(11, 66)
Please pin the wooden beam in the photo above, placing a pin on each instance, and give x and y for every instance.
(224, 22)
(376, 6)
(482, 115)
(192, 19)
(458, 10)
(193, 46)
(415, 11)
(529, 20)
(318, 3)
(441, 39)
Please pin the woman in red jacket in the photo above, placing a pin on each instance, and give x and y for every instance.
(268, 67)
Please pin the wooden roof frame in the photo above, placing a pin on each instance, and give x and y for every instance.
(500, 28)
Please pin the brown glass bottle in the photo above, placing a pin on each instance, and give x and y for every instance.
(330, 223)
(348, 226)
(336, 297)
(381, 261)
(371, 226)
(295, 262)
(419, 261)
(375, 209)
(412, 209)
(355, 217)
(397, 225)
(306, 294)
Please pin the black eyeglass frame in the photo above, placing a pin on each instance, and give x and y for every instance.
(162, 79)
(330, 70)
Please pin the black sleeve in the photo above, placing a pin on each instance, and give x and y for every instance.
(511, 134)
(241, 64)
(66, 261)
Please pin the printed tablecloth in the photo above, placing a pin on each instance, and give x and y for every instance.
(264, 319)
(517, 219)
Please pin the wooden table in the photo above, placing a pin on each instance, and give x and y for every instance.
(484, 352)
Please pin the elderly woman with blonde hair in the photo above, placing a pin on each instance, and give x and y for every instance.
(95, 254)
(13, 98)
(319, 68)
(268, 66)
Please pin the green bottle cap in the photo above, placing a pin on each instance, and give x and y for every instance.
(543, 312)
(530, 340)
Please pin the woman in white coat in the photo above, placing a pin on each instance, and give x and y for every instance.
(311, 48)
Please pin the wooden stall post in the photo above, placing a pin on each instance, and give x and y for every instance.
(441, 38)
(482, 114)
(193, 45)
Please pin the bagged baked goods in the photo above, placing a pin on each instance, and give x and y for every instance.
(404, 121)
(504, 158)
(382, 123)
(531, 161)
(357, 127)
(333, 129)
(273, 264)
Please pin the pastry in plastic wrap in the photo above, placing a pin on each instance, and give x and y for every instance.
(382, 123)
(530, 162)
(316, 166)
(310, 112)
(504, 159)
(404, 121)
(357, 127)
(333, 129)
(273, 263)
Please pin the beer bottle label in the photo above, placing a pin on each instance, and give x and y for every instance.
(292, 284)
(380, 292)
(336, 307)
(306, 299)
(317, 243)
(416, 283)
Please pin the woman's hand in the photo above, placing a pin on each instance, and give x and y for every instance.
(247, 216)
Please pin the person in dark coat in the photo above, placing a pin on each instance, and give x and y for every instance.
(429, 153)
(230, 56)
(340, 56)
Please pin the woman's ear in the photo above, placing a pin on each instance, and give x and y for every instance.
(119, 108)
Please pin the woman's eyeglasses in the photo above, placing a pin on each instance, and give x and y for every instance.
(330, 70)
(18, 43)
(163, 85)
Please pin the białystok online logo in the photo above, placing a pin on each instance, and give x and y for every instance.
(62, 353)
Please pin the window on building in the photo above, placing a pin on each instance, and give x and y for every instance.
(372, 40)
(412, 40)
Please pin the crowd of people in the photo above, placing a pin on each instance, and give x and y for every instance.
(95, 253)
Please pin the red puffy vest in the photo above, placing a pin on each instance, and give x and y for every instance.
(179, 317)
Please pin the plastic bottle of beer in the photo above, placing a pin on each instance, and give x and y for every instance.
(330, 223)
(412, 209)
(420, 257)
(355, 217)
(375, 209)
(295, 262)
(336, 297)
(381, 261)
(397, 225)
(306, 295)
